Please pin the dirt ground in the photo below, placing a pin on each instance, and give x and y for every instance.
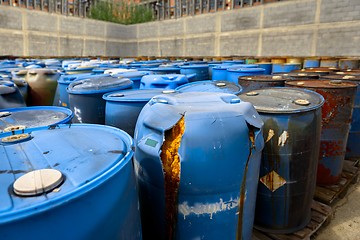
(345, 223)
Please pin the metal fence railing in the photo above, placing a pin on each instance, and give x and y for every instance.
(66, 7)
(162, 9)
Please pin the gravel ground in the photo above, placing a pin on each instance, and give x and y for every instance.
(346, 221)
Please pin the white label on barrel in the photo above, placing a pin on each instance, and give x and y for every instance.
(208, 208)
(273, 181)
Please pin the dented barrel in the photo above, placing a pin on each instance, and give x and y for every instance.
(250, 83)
(194, 182)
(70, 182)
(292, 127)
(85, 97)
(336, 118)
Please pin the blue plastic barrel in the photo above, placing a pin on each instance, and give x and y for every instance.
(166, 70)
(202, 71)
(292, 127)
(234, 73)
(123, 107)
(194, 181)
(233, 62)
(65, 80)
(311, 63)
(71, 182)
(267, 67)
(219, 72)
(166, 81)
(10, 95)
(211, 86)
(13, 119)
(85, 97)
(285, 67)
(134, 76)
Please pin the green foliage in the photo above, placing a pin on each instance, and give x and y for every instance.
(121, 12)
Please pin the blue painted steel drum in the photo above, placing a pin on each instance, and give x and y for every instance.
(42, 84)
(336, 118)
(166, 70)
(353, 142)
(285, 67)
(134, 76)
(14, 119)
(10, 96)
(211, 86)
(234, 73)
(197, 159)
(85, 97)
(71, 182)
(311, 63)
(123, 107)
(167, 81)
(202, 71)
(292, 127)
(348, 64)
(65, 80)
(250, 83)
(267, 67)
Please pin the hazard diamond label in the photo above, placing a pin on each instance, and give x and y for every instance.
(273, 181)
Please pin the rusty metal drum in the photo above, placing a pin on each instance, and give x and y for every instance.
(249, 83)
(336, 118)
(320, 70)
(292, 127)
(353, 142)
(298, 75)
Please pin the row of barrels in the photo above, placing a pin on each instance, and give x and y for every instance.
(192, 154)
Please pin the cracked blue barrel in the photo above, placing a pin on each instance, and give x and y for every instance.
(201, 70)
(353, 143)
(85, 97)
(166, 81)
(72, 182)
(336, 119)
(233, 74)
(211, 86)
(10, 95)
(197, 159)
(292, 127)
(20, 118)
(123, 107)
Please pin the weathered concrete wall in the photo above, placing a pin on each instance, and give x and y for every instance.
(294, 27)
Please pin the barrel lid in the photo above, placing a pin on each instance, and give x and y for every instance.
(36, 175)
(349, 72)
(311, 83)
(211, 86)
(99, 85)
(165, 78)
(342, 77)
(263, 78)
(236, 66)
(298, 75)
(283, 100)
(33, 117)
(249, 70)
(132, 75)
(135, 95)
(166, 69)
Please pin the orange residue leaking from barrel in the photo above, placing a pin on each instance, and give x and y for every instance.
(243, 187)
(171, 166)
